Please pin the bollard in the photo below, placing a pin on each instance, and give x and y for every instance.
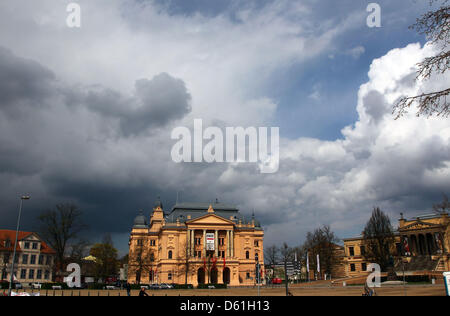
(53, 292)
(62, 292)
(71, 294)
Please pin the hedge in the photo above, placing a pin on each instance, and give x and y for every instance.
(183, 286)
(48, 286)
(216, 286)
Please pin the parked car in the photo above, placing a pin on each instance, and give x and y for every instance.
(166, 286)
(36, 286)
(276, 281)
(155, 286)
(18, 285)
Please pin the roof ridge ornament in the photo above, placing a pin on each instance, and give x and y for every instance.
(210, 209)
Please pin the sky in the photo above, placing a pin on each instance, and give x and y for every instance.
(86, 114)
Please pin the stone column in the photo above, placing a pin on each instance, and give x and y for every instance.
(192, 242)
(228, 244)
(216, 243)
(204, 243)
(232, 244)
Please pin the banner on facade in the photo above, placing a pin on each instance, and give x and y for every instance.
(210, 241)
(447, 282)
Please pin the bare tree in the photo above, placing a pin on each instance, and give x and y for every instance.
(78, 250)
(271, 255)
(435, 25)
(141, 260)
(322, 242)
(59, 227)
(442, 207)
(286, 254)
(184, 256)
(378, 239)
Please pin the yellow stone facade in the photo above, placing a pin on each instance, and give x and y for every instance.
(195, 244)
(422, 245)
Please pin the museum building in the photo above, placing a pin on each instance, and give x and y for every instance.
(421, 247)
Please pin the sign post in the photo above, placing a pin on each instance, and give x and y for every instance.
(447, 282)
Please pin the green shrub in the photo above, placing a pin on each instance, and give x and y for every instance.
(216, 286)
(183, 286)
(48, 286)
(96, 286)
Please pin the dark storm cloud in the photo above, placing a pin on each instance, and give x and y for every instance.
(59, 151)
(22, 82)
(156, 103)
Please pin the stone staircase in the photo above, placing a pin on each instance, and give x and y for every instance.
(419, 263)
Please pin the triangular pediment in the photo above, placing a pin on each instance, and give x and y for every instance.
(419, 225)
(210, 219)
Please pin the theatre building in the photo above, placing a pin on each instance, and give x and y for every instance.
(421, 247)
(195, 243)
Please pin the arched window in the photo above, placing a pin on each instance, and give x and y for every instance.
(256, 257)
(170, 254)
(247, 255)
(152, 257)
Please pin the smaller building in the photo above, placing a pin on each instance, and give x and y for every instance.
(34, 258)
(421, 247)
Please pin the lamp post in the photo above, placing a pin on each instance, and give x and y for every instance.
(22, 198)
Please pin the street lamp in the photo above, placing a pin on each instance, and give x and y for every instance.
(22, 198)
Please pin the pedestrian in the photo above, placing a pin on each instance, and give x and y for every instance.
(128, 287)
(142, 292)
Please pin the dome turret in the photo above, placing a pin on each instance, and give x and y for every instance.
(140, 221)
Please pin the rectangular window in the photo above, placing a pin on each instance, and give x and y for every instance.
(352, 267)
(41, 259)
(47, 274)
(27, 245)
(139, 242)
(39, 274)
(364, 266)
(363, 250)
(256, 243)
(25, 259)
(23, 273)
(33, 259)
(152, 242)
(199, 254)
(351, 251)
(35, 245)
(169, 277)
(198, 241)
(31, 274)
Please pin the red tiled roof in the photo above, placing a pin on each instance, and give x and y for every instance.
(11, 235)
